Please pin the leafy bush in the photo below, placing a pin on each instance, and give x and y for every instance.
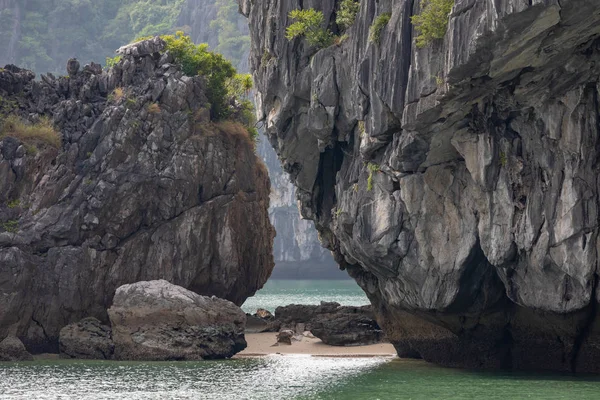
(377, 27)
(309, 24)
(240, 85)
(346, 15)
(112, 61)
(39, 134)
(198, 60)
(432, 23)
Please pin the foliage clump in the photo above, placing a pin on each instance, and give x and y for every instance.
(346, 15)
(227, 91)
(198, 60)
(377, 27)
(39, 134)
(432, 22)
(309, 24)
(11, 226)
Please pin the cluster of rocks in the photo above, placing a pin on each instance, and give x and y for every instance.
(156, 321)
(334, 324)
(145, 186)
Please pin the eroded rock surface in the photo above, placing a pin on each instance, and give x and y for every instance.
(157, 320)
(477, 240)
(145, 186)
(86, 339)
(12, 349)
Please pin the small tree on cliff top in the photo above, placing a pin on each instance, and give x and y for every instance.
(432, 23)
(309, 24)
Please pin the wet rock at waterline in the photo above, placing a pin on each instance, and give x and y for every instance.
(142, 186)
(157, 320)
(334, 324)
(456, 183)
(12, 349)
(86, 339)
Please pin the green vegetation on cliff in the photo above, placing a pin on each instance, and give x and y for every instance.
(224, 84)
(346, 15)
(35, 135)
(432, 22)
(377, 27)
(309, 24)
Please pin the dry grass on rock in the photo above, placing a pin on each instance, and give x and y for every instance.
(39, 134)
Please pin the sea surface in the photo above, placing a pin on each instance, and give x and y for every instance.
(279, 377)
(277, 293)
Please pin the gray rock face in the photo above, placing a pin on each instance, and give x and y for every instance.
(12, 349)
(296, 249)
(477, 242)
(347, 326)
(159, 321)
(86, 339)
(144, 187)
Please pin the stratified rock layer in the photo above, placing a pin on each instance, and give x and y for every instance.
(159, 321)
(457, 183)
(144, 187)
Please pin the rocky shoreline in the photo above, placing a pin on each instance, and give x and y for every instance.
(159, 321)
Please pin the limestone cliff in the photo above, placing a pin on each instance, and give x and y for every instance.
(457, 183)
(297, 251)
(145, 186)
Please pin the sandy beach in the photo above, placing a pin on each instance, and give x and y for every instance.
(261, 344)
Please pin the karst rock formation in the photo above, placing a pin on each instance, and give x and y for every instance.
(456, 183)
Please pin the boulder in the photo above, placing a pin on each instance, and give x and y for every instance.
(334, 324)
(86, 339)
(255, 324)
(264, 314)
(285, 336)
(156, 320)
(12, 349)
(350, 326)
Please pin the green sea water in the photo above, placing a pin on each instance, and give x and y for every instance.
(283, 292)
(280, 377)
